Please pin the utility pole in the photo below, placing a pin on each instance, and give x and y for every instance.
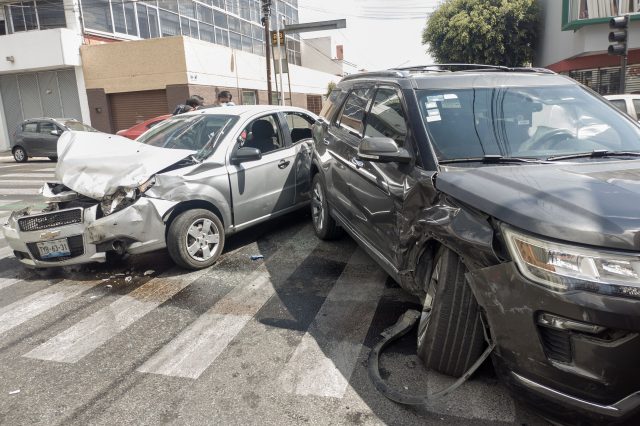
(266, 11)
(280, 55)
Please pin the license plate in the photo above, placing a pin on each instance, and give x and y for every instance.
(54, 248)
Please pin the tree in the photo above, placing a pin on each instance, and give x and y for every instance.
(496, 32)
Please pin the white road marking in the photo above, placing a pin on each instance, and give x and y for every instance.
(34, 183)
(8, 282)
(20, 191)
(5, 252)
(87, 335)
(324, 360)
(28, 175)
(191, 352)
(48, 169)
(31, 306)
(6, 166)
(7, 202)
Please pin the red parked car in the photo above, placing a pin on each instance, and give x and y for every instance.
(138, 129)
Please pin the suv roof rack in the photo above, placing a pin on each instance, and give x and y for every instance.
(406, 71)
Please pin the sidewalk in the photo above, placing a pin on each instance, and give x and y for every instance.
(5, 156)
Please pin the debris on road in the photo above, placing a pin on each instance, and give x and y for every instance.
(257, 257)
(149, 272)
(128, 279)
(17, 391)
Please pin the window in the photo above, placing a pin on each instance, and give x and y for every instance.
(387, 119)
(353, 110)
(46, 127)
(97, 15)
(50, 14)
(636, 106)
(263, 134)
(249, 97)
(577, 13)
(620, 104)
(300, 125)
(30, 127)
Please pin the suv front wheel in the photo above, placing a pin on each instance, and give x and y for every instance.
(450, 334)
(324, 225)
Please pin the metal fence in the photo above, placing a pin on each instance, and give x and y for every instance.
(606, 81)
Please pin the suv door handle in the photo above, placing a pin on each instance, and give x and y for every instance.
(283, 164)
(356, 162)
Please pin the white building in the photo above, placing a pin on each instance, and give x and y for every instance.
(112, 63)
(574, 41)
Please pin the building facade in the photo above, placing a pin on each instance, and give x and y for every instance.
(112, 63)
(574, 41)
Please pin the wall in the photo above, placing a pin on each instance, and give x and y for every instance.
(134, 65)
(317, 54)
(39, 50)
(556, 45)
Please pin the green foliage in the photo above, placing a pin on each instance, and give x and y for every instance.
(495, 32)
(332, 85)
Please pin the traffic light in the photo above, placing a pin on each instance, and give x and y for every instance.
(619, 25)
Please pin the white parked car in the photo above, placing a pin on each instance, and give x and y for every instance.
(626, 103)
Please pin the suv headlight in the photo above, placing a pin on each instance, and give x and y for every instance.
(565, 267)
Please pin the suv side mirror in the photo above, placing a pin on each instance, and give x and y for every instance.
(382, 150)
(244, 154)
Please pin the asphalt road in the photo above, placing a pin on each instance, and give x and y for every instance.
(280, 340)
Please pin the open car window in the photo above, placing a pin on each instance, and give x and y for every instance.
(300, 125)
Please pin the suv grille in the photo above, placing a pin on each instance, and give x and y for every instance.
(76, 247)
(50, 220)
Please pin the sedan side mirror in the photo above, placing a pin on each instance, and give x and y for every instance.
(382, 150)
(55, 132)
(242, 155)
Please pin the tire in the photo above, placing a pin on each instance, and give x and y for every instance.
(54, 159)
(450, 334)
(188, 246)
(324, 225)
(20, 154)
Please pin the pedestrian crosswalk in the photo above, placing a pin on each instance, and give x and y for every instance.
(313, 303)
(319, 365)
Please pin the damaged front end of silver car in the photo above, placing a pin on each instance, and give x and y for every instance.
(106, 211)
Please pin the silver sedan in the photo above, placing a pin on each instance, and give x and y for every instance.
(184, 185)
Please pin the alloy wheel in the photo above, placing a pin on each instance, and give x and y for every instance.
(428, 302)
(19, 154)
(202, 238)
(317, 206)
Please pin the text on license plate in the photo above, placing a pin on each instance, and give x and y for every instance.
(54, 248)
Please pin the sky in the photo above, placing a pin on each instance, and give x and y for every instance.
(380, 34)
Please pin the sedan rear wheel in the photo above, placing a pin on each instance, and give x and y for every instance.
(19, 154)
(195, 239)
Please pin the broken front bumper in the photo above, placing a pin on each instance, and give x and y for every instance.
(575, 350)
(138, 228)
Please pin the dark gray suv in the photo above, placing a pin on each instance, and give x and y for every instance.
(38, 137)
(507, 201)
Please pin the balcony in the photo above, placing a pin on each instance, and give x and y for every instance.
(39, 50)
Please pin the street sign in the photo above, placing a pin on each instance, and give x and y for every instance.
(274, 37)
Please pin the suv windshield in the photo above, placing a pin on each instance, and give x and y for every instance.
(194, 132)
(537, 122)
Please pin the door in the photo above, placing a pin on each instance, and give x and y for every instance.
(31, 138)
(266, 186)
(371, 184)
(341, 140)
(128, 109)
(299, 131)
(48, 141)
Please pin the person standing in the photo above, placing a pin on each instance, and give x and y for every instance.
(224, 99)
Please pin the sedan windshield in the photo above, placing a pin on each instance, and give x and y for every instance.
(194, 132)
(535, 122)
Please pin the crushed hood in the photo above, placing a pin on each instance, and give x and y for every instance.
(97, 164)
(588, 203)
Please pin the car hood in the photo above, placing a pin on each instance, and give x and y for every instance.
(97, 164)
(595, 204)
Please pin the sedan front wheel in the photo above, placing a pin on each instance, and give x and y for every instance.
(195, 239)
